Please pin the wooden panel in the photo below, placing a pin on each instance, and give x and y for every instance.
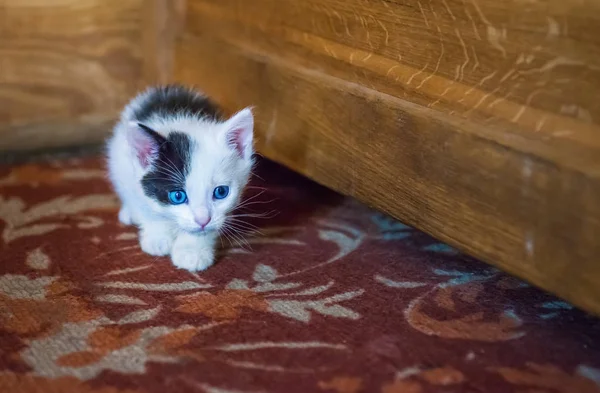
(473, 121)
(162, 23)
(531, 68)
(56, 134)
(65, 62)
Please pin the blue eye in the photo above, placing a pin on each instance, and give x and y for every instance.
(177, 197)
(221, 192)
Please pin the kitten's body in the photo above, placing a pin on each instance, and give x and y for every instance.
(172, 141)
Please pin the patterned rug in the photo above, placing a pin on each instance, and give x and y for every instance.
(330, 297)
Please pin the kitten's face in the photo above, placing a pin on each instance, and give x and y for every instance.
(213, 188)
(195, 179)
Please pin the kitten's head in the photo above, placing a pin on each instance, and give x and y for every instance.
(195, 175)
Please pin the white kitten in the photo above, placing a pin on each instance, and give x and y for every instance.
(179, 170)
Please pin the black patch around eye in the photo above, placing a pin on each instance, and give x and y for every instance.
(170, 168)
(170, 100)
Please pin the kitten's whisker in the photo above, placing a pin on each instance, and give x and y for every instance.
(246, 204)
(251, 201)
(240, 221)
(162, 178)
(240, 242)
(175, 167)
(245, 229)
(266, 215)
(255, 196)
(242, 235)
(257, 176)
(236, 231)
(257, 188)
(222, 245)
(166, 169)
(224, 233)
(241, 228)
(169, 171)
(170, 166)
(227, 232)
(171, 175)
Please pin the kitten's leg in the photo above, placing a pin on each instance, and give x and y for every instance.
(194, 252)
(125, 216)
(157, 237)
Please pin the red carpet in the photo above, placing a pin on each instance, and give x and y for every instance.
(331, 297)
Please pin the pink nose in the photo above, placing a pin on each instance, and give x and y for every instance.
(202, 220)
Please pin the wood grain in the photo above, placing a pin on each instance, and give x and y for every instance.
(469, 120)
(55, 134)
(65, 62)
(532, 71)
(162, 23)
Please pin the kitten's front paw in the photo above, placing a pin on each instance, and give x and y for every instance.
(192, 259)
(157, 243)
(125, 216)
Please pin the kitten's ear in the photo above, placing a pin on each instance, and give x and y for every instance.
(239, 131)
(145, 142)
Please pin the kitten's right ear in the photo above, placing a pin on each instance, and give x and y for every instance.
(145, 142)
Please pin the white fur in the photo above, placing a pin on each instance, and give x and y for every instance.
(172, 230)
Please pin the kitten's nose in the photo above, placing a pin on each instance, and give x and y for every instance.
(202, 219)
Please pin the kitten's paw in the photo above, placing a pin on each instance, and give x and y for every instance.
(125, 216)
(156, 243)
(192, 259)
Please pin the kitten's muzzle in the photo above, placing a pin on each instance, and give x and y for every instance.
(202, 219)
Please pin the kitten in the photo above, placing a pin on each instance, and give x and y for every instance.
(179, 169)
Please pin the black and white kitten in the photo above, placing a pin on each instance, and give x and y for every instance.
(179, 169)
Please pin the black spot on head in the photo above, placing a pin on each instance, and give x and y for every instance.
(170, 167)
(170, 100)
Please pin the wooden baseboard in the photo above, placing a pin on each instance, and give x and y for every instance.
(79, 131)
(522, 200)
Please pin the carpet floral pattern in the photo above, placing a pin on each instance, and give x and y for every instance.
(330, 296)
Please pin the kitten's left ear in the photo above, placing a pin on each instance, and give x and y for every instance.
(239, 131)
(145, 142)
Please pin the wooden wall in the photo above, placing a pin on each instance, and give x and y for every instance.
(66, 69)
(477, 121)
